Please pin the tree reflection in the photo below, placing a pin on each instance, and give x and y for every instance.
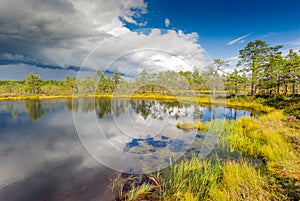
(198, 113)
(158, 110)
(103, 107)
(154, 109)
(212, 110)
(118, 107)
(35, 110)
(142, 107)
(10, 106)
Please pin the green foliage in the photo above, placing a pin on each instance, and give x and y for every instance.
(235, 81)
(264, 71)
(32, 83)
(253, 56)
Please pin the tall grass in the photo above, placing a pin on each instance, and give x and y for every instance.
(240, 181)
(249, 103)
(270, 138)
(189, 179)
(262, 138)
(194, 179)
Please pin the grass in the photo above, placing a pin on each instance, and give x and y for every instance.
(134, 187)
(249, 103)
(270, 139)
(241, 181)
(208, 179)
(192, 125)
(190, 178)
(262, 138)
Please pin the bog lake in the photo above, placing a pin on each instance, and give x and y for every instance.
(68, 150)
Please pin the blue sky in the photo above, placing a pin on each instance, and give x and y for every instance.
(220, 21)
(50, 36)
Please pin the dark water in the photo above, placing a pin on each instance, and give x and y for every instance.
(53, 150)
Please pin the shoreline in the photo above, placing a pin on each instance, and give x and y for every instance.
(243, 103)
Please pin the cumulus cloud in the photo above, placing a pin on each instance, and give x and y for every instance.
(172, 50)
(167, 22)
(238, 40)
(64, 32)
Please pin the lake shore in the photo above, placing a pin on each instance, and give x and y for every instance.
(266, 168)
(242, 102)
(261, 153)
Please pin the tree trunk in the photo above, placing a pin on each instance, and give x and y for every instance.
(293, 90)
(286, 89)
(235, 90)
(214, 89)
(252, 89)
(278, 88)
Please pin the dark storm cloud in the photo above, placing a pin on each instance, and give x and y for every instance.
(36, 29)
(63, 33)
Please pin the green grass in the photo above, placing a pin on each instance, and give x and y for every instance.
(262, 138)
(241, 181)
(209, 179)
(249, 103)
(192, 125)
(191, 178)
(270, 138)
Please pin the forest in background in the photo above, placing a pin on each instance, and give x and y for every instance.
(263, 70)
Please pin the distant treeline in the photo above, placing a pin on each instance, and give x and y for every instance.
(263, 70)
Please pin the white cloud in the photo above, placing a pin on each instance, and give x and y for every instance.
(63, 33)
(269, 35)
(295, 42)
(292, 44)
(167, 22)
(239, 39)
(156, 51)
(232, 62)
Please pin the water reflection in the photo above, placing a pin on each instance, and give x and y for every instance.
(135, 133)
(36, 109)
(42, 157)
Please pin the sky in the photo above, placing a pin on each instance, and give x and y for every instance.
(59, 37)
